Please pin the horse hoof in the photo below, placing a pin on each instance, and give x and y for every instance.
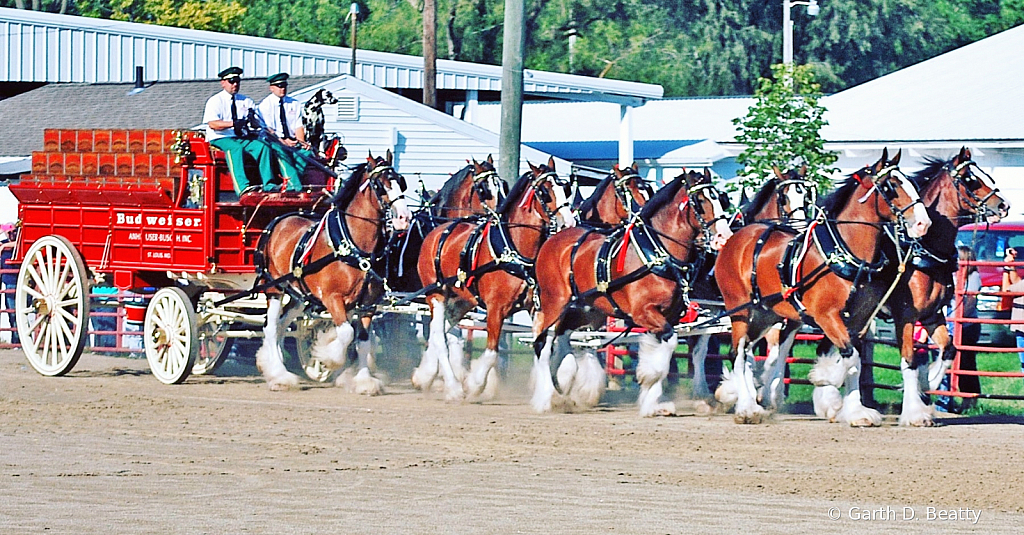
(703, 408)
(755, 416)
(284, 383)
(454, 395)
(667, 410)
(367, 385)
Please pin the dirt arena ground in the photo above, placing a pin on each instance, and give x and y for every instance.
(108, 449)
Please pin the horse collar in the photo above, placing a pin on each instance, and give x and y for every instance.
(838, 256)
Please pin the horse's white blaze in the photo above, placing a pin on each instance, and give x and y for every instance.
(655, 358)
(564, 210)
(399, 207)
(914, 412)
(796, 201)
(920, 221)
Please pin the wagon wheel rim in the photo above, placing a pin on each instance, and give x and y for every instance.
(170, 334)
(52, 305)
(213, 347)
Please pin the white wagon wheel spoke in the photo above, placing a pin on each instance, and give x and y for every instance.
(52, 305)
(170, 335)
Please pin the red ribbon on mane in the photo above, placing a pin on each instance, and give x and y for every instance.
(528, 198)
(620, 263)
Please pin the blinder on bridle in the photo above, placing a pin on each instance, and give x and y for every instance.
(883, 182)
(712, 195)
(806, 188)
(545, 197)
(374, 180)
(626, 196)
(971, 183)
(482, 182)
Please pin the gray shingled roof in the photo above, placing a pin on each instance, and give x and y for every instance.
(163, 105)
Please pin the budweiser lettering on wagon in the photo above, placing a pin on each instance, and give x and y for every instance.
(158, 220)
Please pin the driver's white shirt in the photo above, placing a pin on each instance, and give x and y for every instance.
(218, 108)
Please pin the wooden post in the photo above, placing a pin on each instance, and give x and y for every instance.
(430, 53)
(511, 90)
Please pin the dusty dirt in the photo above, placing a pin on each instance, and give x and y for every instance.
(108, 449)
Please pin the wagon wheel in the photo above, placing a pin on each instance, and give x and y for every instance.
(171, 335)
(214, 346)
(305, 334)
(52, 305)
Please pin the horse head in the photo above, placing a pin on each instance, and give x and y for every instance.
(490, 189)
(899, 193)
(631, 190)
(390, 189)
(549, 191)
(975, 188)
(709, 208)
(796, 195)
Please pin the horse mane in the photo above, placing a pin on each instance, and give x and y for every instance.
(663, 197)
(757, 204)
(841, 196)
(590, 204)
(513, 194)
(349, 187)
(444, 195)
(933, 166)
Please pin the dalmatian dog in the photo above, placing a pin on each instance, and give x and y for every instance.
(313, 118)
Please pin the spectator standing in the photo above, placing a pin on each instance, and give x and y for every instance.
(8, 234)
(1013, 283)
(970, 332)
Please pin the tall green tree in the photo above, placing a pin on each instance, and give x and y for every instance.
(781, 130)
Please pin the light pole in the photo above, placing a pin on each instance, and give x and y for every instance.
(787, 25)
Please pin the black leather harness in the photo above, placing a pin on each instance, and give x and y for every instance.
(648, 247)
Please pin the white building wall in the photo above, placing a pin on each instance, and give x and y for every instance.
(423, 150)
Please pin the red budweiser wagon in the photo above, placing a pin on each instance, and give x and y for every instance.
(140, 209)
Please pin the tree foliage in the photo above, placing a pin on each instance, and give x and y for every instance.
(781, 130)
(691, 47)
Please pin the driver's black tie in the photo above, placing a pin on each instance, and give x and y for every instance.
(285, 134)
(234, 118)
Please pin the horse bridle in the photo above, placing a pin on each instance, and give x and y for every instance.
(545, 197)
(482, 184)
(978, 205)
(706, 225)
(385, 201)
(625, 196)
(882, 183)
(810, 199)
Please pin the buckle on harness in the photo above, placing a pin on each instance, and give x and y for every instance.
(364, 264)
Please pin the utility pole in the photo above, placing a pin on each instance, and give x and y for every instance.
(353, 13)
(512, 90)
(430, 53)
